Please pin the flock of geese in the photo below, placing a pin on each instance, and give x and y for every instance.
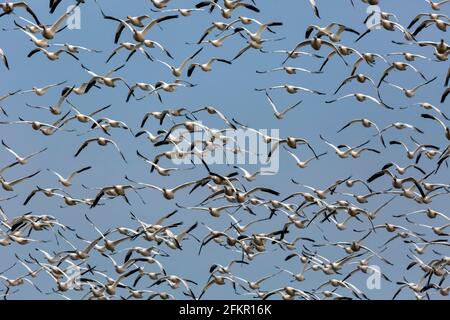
(317, 242)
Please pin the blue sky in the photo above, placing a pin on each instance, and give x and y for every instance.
(230, 88)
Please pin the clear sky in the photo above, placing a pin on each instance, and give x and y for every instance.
(230, 88)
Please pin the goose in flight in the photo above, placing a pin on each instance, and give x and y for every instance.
(389, 26)
(360, 97)
(56, 108)
(361, 78)
(221, 26)
(214, 212)
(214, 111)
(289, 70)
(9, 8)
(45, 128)
(165, 172)
(291, 89)
(49, 32)
(101, 142)
(52, 55)
(48, 192)
(133, 48)
(315, 43)
(328, 31)
(349, 151)
(168, 194)
(85, 118)
(42, 91)
(295, 54)
(19, 159)
(399, 66)
(366, 123)
(249, 176)
(205, 67)
(304, 164)
(280, 114)
(9, 185)
(185, 12)
(106, 80)
(398, 126)
(440, 24)
(430, 16)
(177, 72)
(218, 42)
(257, 36)
(429, 106)
(136, 21)
(167, 87)
(67, 182)
(74, 48)
(40, 43)
(229, 7)
(410, 93)
(369, 58)
(292, 143)
(144, 87)
(410, 57)
(138, 36)
(160, 4)
(436, 5)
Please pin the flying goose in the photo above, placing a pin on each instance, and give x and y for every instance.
(389, 26)
(42, 91)
(106, 80)
(315, 43)
(410, 57)
(304, 164)
(9, 8)
(9, 185)
(361, 78)
(227, 11)
(130, 47)
(67, 182)
(410, 93)
(101, 142)
(206, 67)
(52, 55)
(436, 5)
(280, 114)
(165, 172)
(40, 43)
(291, 89)
(214, 111)
(327, 31)
(360, 97)
(138, 36)
(45, 128)
(185, 12)
(19, 159)
(177, 72)
(84, 118)
(49, 32)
